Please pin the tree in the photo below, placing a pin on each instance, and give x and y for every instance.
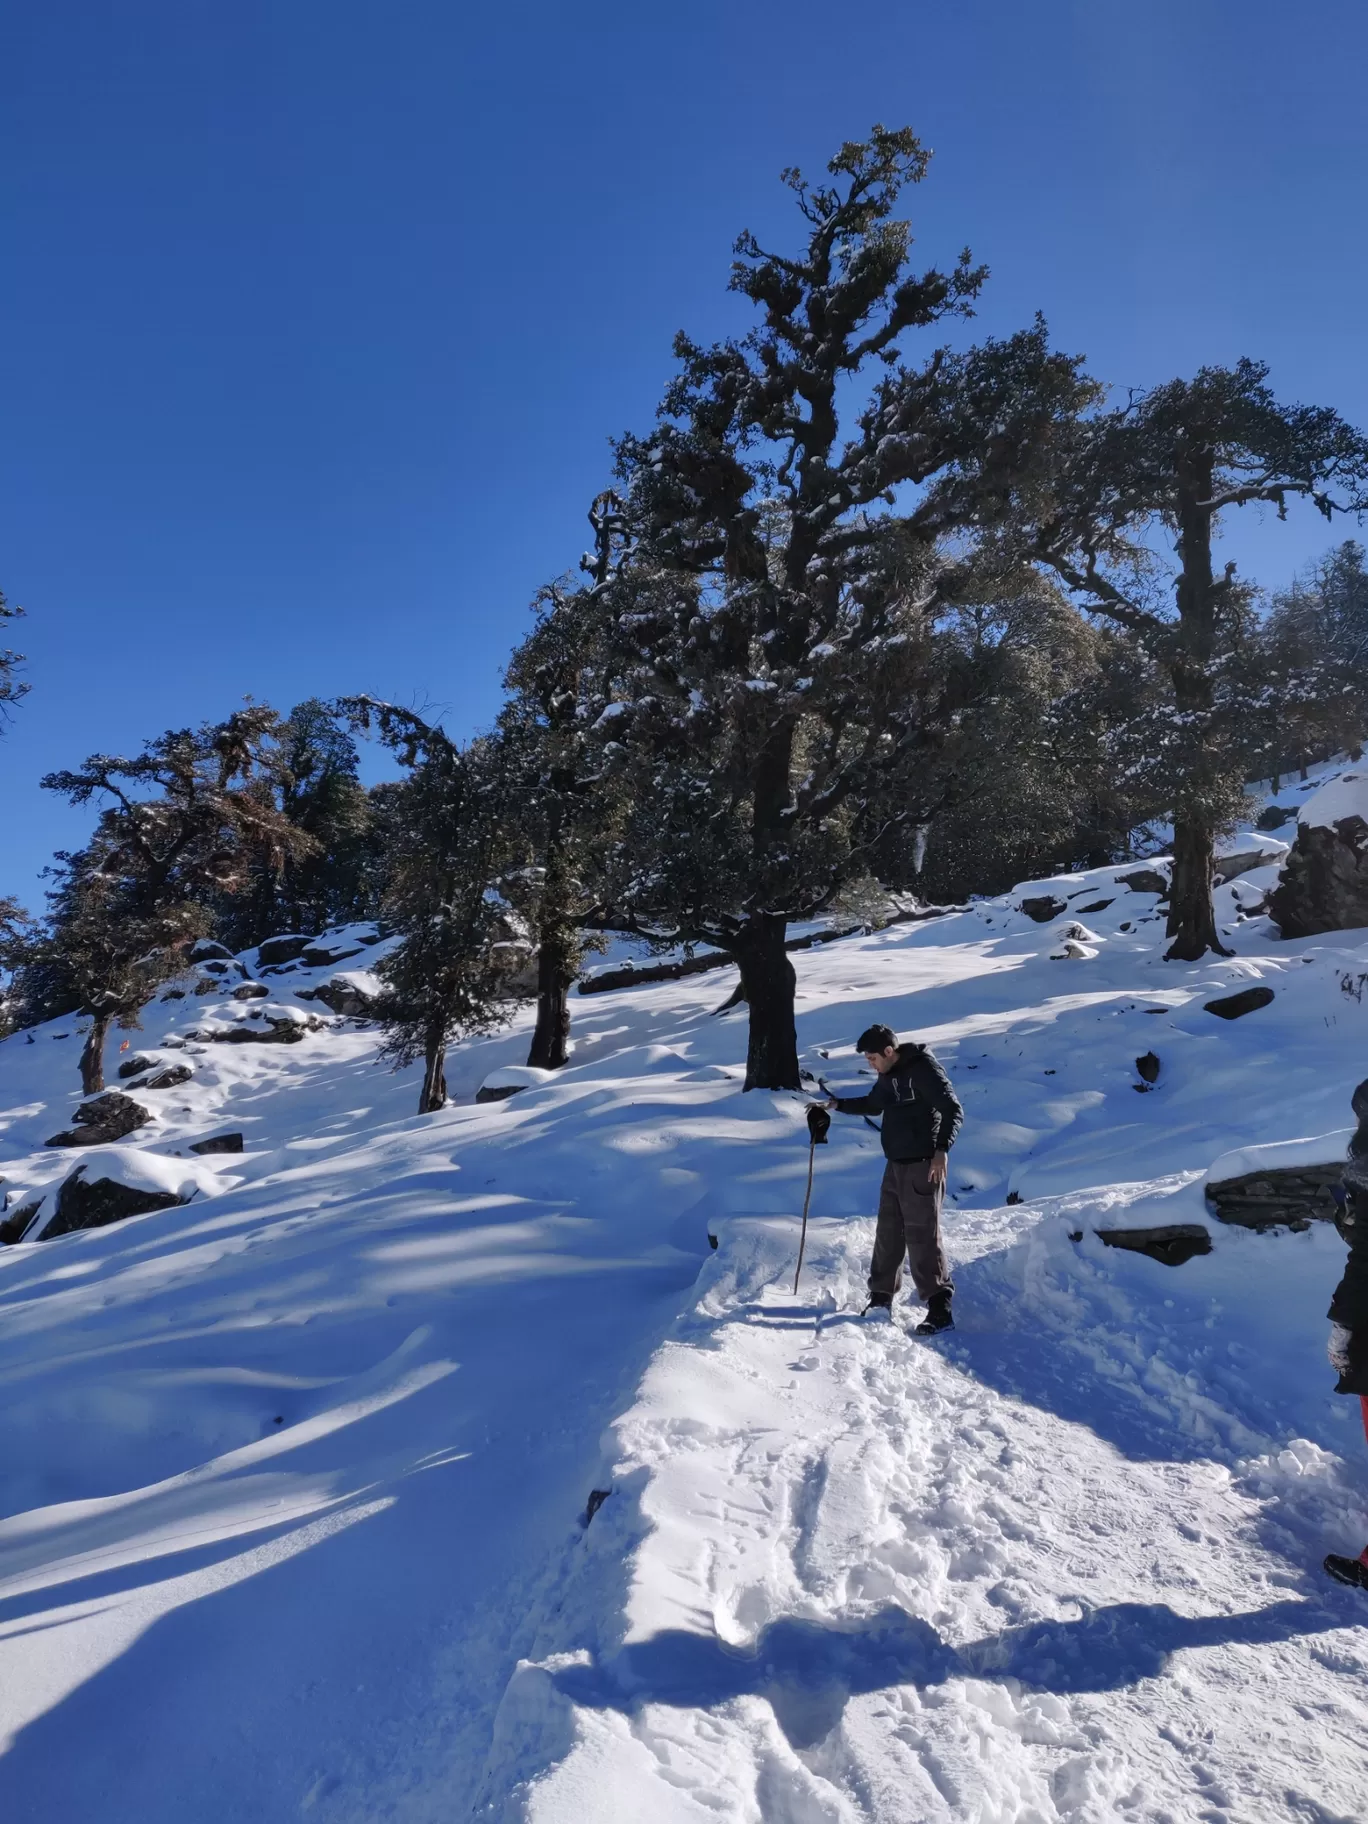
(11, 690)
(1312, 657)
(559, 801)
(447, 978)
(1166, 466)
(182, 825)
(762, 690)
(107, 948)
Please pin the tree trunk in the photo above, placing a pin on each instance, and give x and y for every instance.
(768, 978)
(1192, 915)
(92, 1056)
(550, 1046)
(434, 1091)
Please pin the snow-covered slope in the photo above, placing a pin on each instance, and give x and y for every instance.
(295, 1476)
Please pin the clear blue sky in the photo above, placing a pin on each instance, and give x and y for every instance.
(318, 316)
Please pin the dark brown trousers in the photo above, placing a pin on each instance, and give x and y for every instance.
(909, 1224)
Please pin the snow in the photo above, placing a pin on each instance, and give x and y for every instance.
(1342, 797)
(295, 1477)
(1317, 1149)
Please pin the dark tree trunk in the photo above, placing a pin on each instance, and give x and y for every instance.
(550, 1046)
(1192, 915)
(768, 978)
(434, 1091)
(92, 1055)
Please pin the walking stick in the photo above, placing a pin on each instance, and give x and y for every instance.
(818, 1121)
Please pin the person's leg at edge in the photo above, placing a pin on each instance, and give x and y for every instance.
(885, 1269)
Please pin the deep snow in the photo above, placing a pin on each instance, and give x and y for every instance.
(296, 1475)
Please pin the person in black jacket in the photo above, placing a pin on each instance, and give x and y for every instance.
(921, 1117)
(1348, 1311)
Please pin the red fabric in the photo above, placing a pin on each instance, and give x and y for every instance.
(1363, 1407)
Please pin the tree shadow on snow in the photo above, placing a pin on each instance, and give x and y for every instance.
(807, 1672)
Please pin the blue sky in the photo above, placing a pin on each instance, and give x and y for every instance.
(318, 317)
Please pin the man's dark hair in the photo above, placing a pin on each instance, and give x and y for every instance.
(877, 1038)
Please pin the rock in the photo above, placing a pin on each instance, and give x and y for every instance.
(136, 1065)
(1073, 950)
(1230, 867)
(279, 1026)
(1043, 908)
(1148, 1067)
(1324, 883)
(168, 1077)
(498, 1092)
(206, 985)
(218, 1143)
(320, 954)
(354, 994)
(94, 1205)
(1235, 1006)
(1291, 1196)
(1274, 817)
(205, 948)
(217, 966)
(1097, 905)
(285, 949)
(1144, 880)
(13, 1226)
(1170, 1245)
(107, 1117)
(500, 1084)
(174, 994)
(252, 991)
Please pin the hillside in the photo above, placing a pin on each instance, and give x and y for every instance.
(295, 1475)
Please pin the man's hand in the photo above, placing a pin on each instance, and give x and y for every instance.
(940, 1166)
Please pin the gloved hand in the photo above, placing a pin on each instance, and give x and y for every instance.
(1338, 1348)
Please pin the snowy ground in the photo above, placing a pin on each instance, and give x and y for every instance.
(296, 1475)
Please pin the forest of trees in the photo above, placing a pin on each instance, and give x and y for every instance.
(861, 605)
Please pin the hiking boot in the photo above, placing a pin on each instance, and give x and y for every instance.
(937, 1317)
(881, 1305)
(1349, 1570)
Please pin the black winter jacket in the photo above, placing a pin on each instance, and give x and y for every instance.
(921, 1113)
(1349, 1306)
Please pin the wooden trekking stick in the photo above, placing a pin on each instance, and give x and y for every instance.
(807, 1198)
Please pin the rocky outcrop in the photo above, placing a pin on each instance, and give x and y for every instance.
(1292, 1196)
(105, 1118)
(320, 953)
(97, 1203)
(1235, 1006)
(1144, 880)
(264, 1026)
(167, 1077)
(1324, 884)
(345, 994)
(218, 1143)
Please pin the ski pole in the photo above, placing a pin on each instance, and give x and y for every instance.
(818, 1121)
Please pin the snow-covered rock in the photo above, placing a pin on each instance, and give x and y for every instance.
(1324, 884)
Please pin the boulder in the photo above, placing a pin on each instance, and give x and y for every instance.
(1235, 1006)
(251, 991)
(1170, 1245)
(319, 954)
(266, 1026)
(1095, 905)
(105, 1118)
(1291, 1196)
(1324, 884)
(218, 1143)
(167, 1077)
(223, 966)
(1148, 1067)
(94, 1204)
(1144, 880)
(499, 1085)
(1043, 907)
(205, 948)
(136, 1065)
(355, 993)
(1274, 817)
(284, 949)
(1230, 867)
(13, 1225)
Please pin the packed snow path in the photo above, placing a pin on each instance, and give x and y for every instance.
(874, 1577)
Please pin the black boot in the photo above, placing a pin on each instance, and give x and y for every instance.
(1348, 1570)
(880, 1305)
(937, 1317)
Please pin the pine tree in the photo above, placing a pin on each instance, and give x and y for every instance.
(11, 689)
(182, 825)
(762, 689)
(445, 851)
(1312, 658)
(1168, 464)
